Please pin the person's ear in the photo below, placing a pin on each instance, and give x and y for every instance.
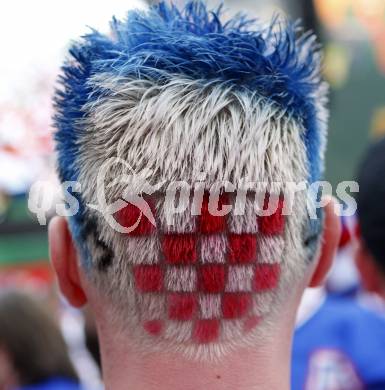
(330, 239)
(64, 260)
(372, 278)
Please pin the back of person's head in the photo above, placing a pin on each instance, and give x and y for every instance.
(32, 341)
(371, 217)
(168, 95)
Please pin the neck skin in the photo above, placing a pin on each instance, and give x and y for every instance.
(265, 368)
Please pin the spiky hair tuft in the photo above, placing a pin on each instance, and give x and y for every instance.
(278, 62)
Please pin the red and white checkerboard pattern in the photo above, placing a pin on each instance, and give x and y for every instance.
(202, 275)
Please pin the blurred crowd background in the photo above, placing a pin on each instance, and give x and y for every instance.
(34, 36)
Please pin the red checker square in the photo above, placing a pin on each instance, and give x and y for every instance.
(266, 276)
(153, 327)
(206, 331)
(235, 305)
(212, 278)
(182, 307)
(130, 215)
(275, 223)
(179, 248)
(209, 223)
(250, 323)
(148, 278)
(242, 248)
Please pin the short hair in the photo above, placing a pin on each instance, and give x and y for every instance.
(371, 212)
(176, 92)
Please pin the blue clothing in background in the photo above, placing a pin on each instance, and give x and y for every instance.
(341, 347)
(54, 384)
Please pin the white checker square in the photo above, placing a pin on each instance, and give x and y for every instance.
(213, 248)
(155, 305)
(138, 250)
(210, 306)
(243, 218)
(270, 249)
(175, 222)
(239, 278)
(179, 331)
(181, 279)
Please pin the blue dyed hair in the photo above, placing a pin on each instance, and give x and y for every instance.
(276, 62)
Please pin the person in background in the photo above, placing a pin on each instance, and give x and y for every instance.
(33, 354)
(370, 253)
(339, 344)
(348, 350)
